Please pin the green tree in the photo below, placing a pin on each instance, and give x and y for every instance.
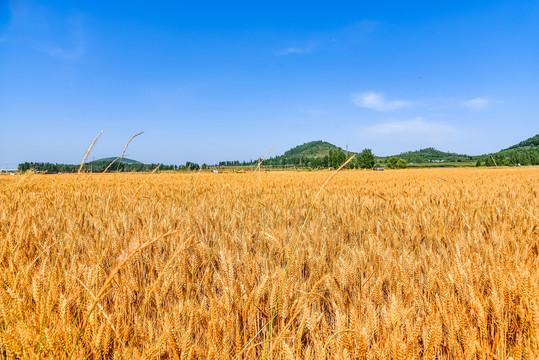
(525, 158)
(478, 163)
(402, 164)
(325, 161)
(392, 162)
(534, 158)
(337, 158)
(366, 159)
(191, 166)
(514, 158)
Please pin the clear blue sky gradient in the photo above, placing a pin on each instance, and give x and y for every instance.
(228, 80)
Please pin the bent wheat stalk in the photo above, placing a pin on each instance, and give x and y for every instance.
(292, 252)
(125, 148)
(123, 259)
(88, 151)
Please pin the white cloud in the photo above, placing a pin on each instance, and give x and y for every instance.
(35, 26)
(68, 53)
(313, 111)
(296, 50)
(477, 103)
(415, 126)
(376, 101)
(78, 45)
(19, 8)
(411, 133)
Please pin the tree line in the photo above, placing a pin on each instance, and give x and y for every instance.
(334, 159)
(99, 166)
(427, 155)
(511, 158)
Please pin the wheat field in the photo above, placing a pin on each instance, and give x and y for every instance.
(404, 264)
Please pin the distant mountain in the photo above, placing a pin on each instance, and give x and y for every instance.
(524, 153)
(111, 159)
(428, 155)
(311, 149)
(314, 154)
(319, 149)
(321, 154)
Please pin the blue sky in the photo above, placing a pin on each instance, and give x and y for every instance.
(211, 81)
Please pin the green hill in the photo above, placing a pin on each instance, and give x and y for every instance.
(430, 155)
(321, 154)
(111, 159)
(316, 154)
(312, 154)
(311, 149)
(524, 153)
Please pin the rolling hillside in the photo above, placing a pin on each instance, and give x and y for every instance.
(430, 155)
(524, 153)
(322, 154)
(312, 149)
(111, 159)
(313, 154)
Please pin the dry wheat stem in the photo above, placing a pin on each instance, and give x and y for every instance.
(88, 151)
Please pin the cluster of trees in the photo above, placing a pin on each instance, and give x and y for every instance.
(334, 159)
(365, 159)
(100, 166)
(431, 154)
(190, 166)
(235, 163)
(396, 163)
(320, 155)
(512, 158)
(47, 167)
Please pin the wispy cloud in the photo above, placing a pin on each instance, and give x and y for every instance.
(377, 101)
(313, 111)
(477, 103)
(296, 50)
(415, 126)
(67, 53)
(42, 30)
(340, 39)
(77, 48)
(19, 8)
(412, 133)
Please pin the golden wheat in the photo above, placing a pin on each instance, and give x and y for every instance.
(411, 264)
